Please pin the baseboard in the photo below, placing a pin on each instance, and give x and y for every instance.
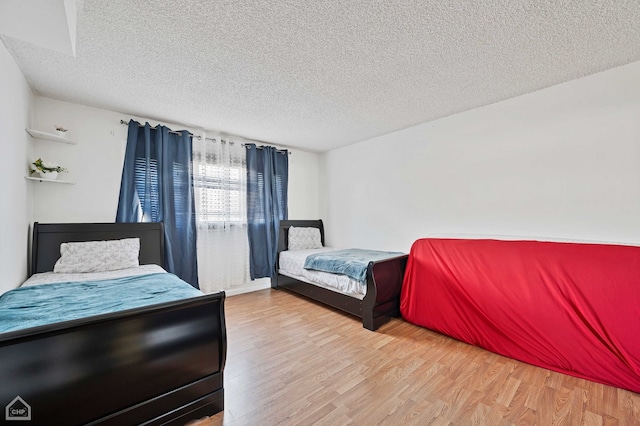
(259, 284)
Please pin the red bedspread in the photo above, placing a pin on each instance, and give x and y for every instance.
(568, 307)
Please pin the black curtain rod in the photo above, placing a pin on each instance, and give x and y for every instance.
(126, 123)
(281, 151)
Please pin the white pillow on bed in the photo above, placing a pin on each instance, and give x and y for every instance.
(304, 238)
(98, 256)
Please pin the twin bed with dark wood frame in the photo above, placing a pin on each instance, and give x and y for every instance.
(159, 364)
(384, 281)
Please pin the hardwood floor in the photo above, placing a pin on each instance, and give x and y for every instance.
(291, 361)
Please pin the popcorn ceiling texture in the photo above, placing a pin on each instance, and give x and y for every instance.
(320, 74)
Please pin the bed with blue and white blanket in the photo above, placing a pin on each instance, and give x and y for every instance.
(343, 271)
(132, 345)
(364, 283)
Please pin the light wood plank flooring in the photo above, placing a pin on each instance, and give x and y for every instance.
(294, 362)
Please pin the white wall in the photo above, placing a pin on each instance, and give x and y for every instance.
(304, 195)
(561, 163)
(95, 165)
(16, 100)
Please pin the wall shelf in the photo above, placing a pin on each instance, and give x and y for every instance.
(49, 180)
(49, 136)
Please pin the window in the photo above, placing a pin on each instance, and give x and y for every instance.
(149, 199)
(149, 193)
(219, 190)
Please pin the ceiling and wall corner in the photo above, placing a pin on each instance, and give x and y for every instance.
(318, 75)
(561, 163)
(50, 24)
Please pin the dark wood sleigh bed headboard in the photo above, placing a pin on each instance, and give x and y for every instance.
(283, 233)
(47, 237)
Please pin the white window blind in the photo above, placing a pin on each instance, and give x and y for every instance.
(146, 181)
(219, 192)
(146, 178)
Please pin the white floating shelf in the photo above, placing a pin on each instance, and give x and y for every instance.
(49, 136)
(49, 180)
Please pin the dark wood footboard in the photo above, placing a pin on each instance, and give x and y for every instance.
(161, 364)
(384, 282)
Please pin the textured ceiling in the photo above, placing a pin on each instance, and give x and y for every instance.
(319, 74)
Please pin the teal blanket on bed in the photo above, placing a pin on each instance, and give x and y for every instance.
(43, 304)
(350, 262)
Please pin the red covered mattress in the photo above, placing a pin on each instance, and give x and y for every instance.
(568, 307)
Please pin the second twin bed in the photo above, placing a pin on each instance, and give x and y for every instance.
(363, 283)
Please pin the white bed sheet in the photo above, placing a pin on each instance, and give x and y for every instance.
(291, 264)
(51, 277)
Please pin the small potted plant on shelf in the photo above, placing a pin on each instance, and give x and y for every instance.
(46, 171)
(61, 131)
